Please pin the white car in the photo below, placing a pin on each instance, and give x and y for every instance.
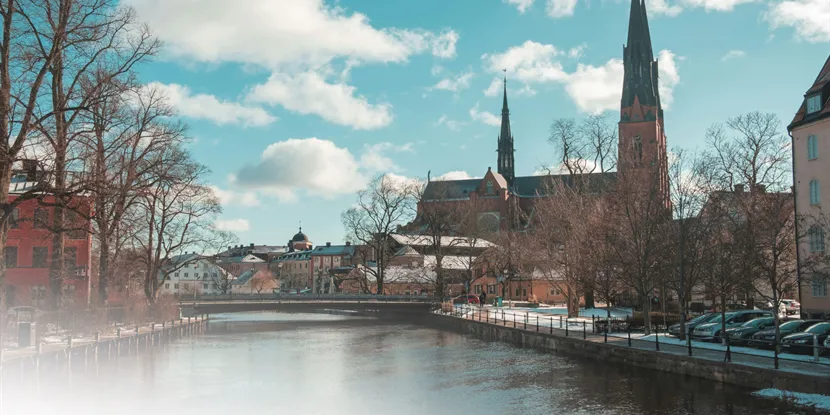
(790, 307)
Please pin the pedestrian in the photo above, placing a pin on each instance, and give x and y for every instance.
(482, 298)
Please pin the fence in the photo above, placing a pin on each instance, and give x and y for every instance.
(309, 297)
(805, 355)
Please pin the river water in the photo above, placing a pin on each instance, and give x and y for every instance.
(267, 363)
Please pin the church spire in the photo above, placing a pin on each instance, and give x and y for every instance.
(640, 79)
(505, 143)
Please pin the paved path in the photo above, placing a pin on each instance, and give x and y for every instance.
(580, 328)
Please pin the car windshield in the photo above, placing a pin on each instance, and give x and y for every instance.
(819, 328)
(702, 318)
(720, 316)
(758, 322)
(791, 325)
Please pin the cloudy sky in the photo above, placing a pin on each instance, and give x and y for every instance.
(295, 104)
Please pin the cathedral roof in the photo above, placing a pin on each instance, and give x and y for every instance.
(526, 186)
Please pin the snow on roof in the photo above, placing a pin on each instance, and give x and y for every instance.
(449, 262)
(426, 240)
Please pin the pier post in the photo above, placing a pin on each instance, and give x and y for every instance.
(38, 352)
(118, 342)
(97, 342)
(69, 352)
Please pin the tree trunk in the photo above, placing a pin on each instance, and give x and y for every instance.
(646, 301)
(6, 211)
(103, 272)
(589, 297)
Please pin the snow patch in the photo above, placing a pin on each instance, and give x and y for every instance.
(801, 399)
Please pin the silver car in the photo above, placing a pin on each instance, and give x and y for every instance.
(712, 330)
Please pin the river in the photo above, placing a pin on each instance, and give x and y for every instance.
(267, 363)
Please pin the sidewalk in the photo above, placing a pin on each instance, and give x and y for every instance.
(583, 328)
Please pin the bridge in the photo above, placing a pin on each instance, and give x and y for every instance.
(313, 303)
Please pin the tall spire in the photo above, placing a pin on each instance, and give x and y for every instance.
(640, 79)
(505, 143)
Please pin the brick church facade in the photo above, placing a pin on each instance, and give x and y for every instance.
(504, 202)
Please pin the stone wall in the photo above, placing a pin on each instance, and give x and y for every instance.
(735, 374)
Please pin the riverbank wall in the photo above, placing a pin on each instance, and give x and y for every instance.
(124, 341)
(731, 373)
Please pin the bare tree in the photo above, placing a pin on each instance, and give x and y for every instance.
(582, 147)
(380, 209)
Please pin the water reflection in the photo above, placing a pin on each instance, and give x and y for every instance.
(321, 364)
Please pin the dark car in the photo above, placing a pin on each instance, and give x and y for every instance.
(803, 342)
(466, 299)
(764, 339)
(674, 330)
(742, 334)
(711, 330)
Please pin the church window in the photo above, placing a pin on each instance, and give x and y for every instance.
(812, 147)
(638, 147)
(489, 187)
(815, 198)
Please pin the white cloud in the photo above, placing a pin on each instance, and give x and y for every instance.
(809, 18)
(526, 90)
(528, 62)
(733, 54)
(278, 33)
(495, 87)
(560, 8)
(208, 107)
(576, 52)
(233, 225)
(454, 175)
(456, 84)
(453, 125)
(309, 93)
(484, 116)
(521, 5)
(436, 70)
(658, 7)
(375, 158)
(230, 197)
(596, 89)
(316, 167)
(293, 39)
(717, 5)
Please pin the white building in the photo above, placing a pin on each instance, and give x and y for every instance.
(194, 274)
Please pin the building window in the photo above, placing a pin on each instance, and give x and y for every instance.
(816, 235)
(187, 286)
(638, 147)
(11, 256)
(215, 286)
(14, 220)
(819, 286)
(176, 286)
(186, 274)
(813, 103)
(478, 288)
(518, 291)
(176, 275)
(812, 147)
(70, 257)
(41, 218)
(489, 187)
(815, 197)
(205, 286)
(167, 286)
(75, 225)
(40, 256)
(491, 289)
(524, 292)
(206, 275)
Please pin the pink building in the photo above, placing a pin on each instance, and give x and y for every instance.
(810, 132)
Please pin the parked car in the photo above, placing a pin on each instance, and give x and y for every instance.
(712, 329)
(764, 339)
(741, 334)
(674, 330)
(791, 307)
(466, 299)
(803, 342)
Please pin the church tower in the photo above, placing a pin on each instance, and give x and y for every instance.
(642, 140)
(505, 146)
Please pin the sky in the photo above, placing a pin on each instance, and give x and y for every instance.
(295, 105)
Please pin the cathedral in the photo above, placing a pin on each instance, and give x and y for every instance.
(505, 202)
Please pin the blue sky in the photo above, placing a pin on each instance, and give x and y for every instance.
(295, 104)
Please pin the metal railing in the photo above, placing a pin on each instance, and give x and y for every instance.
(811, 356)
(308, 298)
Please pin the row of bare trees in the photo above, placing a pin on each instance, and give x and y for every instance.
(108, 149)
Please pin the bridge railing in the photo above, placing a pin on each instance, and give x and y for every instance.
(309, 297)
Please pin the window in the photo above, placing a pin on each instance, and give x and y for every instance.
(187, 286)
(176, 286)
(489, 187)
(186, 274)
(176, 275)
(638, 147)
(524, 292)
(40, 256)
(205, 286)
(41, 218)
(819, 286)
(14, 220)
(813, 103)
(75, 224)
(167, 286)
(518, 291)
(215, 286)
(11, 256)
(812, 147)
(815, 197)
(70, 257)
(478, 288)
(206, 275)
(816, 235)
(491, 289)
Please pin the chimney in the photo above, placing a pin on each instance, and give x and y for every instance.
(348, 243)
(252, 245)
(328, 244)
(30, 168)
(739, 188)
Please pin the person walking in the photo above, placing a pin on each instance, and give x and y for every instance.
(482, 298)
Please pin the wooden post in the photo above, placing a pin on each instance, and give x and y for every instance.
(118, 342)
(38, 351)
(69, 353)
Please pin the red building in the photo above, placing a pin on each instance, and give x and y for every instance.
(28, 250)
